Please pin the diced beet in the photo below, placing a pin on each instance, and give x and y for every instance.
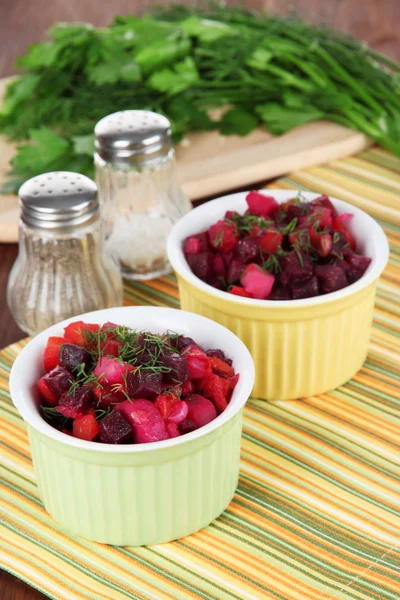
(231, 214)
(340, 243)
(356, 266)
(201, 264)
(217, 353)
(338, 226)
(173, 430)
(78, 403)
(322, 215)
(322, 242)
(146, 422)
(217, 282)
(360, 262)
(280, 293)
(219, 265)
(164, 403)
(178, 365)
(183, 342)
(108, 325)
(51, 355)
(222, 236)
(78, 332)
(221, 367)
(111, 347)
(45, 392)
(204, 241)
(200, 412)
(227, 258)
(296, 265)
(186, 426)
(305, 289)
(257, 282)
(112, 371)
(198, 362)
(235, 271)
(85, 428)
(58, 381)
(247, 250)
(326, 203)
(300, 236)
(115, 429)
(330, 278)
(294, 211)
(192, 245)
(178, 412)
(187, 388)
(218, 389)
(271, 241)
(261, 204)
(238, 290)
(71, 356)
(144, 384)
(109, 396)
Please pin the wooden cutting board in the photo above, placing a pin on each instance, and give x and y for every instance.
(211, 164)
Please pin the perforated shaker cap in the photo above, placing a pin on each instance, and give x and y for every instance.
(133, 136)
(59, 200)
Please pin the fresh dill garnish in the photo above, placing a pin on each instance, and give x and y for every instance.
(271, 264)
(101, 413)
(336, 237)
(290, 227)
(246, 223)
(316, 225)
(299, 256)
(83, 378)
(219, 239)
(52, 416)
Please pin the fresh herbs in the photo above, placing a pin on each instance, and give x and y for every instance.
(271, 264)
(290, 227)
(182, 61)
(245, 224)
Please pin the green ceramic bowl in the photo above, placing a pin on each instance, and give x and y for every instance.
(136, 494)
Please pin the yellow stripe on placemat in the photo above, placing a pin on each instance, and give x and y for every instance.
(317, 512)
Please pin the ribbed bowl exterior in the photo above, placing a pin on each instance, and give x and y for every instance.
(140, 498)
(299, 351)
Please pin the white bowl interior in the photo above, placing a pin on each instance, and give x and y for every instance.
(370, 237)
(28, 367)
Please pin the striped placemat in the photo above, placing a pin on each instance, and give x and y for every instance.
(316, 514)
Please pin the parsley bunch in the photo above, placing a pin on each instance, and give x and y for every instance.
(182, 62)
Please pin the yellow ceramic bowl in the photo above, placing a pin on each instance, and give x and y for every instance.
(300, 347)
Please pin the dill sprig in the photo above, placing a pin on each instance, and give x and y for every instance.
(290, 227)
(246, 223)
(53, 417)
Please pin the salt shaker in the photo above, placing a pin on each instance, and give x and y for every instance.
(62, 268)
(139, 193)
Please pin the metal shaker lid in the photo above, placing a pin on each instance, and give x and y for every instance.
(58, 200)
(133, 137)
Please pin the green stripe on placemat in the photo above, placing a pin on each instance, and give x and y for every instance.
(317, 511)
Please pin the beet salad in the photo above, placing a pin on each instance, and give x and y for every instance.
(114, 385)
(278, 251)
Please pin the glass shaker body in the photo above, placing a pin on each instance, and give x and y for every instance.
(139, 194)
(61, 272)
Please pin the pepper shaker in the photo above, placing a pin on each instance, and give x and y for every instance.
(62, 268)
(139, 193)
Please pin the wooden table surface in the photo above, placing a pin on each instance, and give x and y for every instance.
(23, 23)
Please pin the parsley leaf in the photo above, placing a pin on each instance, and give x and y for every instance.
(237, 122)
